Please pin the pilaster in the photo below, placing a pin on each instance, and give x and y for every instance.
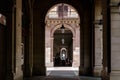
(115, 43)
(98, 40)
(48, 48)
(106, 39)
(2, 52)
(19, 62)
(30, 69)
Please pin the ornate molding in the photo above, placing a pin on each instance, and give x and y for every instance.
(65, 21)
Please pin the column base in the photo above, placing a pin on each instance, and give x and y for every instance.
(97, 71)
(19, 74)
(75, 64)
(49, 64)
(104, 74)
(115, 75)
(85, 71)
(19, 78)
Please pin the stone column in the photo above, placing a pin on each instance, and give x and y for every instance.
(19, 61)
(9, 70)
(98, 51)
(30, 41)
(2, 52)
(73, 64)
(76, 48)
(51, 57)
(106, 38)
(115, 43)
(77, 36)
(48, 47)
(98, 39)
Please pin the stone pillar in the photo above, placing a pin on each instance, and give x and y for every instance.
(106, 39)
(9, 61)
(2, 52)
(81, 68)
(73, 64)
(98, 39)
(48, 48)
(76, 48)
(19, 61)
(30, 42)
(76, 57)
(115, 43)
(98, 51)
(51, 57)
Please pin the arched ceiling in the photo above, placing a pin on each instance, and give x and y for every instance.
(72, 2)
(43, 6)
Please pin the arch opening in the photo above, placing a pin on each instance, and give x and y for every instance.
(62, 49)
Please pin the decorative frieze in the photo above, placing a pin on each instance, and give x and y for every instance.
(65, 21)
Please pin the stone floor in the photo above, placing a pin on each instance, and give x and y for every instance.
(63, 78)
(62, 75)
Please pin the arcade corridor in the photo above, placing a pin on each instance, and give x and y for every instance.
(60, 40)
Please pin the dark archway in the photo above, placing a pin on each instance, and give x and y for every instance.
(85, 10)
(62, 40)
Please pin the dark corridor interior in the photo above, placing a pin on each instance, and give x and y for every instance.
(63, 48)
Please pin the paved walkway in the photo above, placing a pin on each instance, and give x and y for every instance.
(62, 75)
(62, 78)
(62, 71)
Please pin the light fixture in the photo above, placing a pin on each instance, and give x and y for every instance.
(62, 27)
